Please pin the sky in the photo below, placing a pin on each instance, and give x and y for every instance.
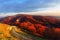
(28, 6)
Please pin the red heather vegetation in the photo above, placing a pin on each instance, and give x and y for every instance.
(42, 26)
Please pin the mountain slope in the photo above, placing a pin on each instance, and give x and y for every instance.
(41, 26)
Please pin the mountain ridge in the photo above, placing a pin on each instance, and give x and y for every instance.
(37, 25)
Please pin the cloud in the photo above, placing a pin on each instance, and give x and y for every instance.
(50, 11)
(31, 7)
(25, 5)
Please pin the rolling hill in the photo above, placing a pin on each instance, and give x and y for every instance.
(41, 26)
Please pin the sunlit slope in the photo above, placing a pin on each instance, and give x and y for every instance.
(5, 32)
(8, 32)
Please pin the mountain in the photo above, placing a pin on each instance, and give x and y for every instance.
(40, 26)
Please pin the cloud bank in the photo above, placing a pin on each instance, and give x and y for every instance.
(32, 7)
(25, 5)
